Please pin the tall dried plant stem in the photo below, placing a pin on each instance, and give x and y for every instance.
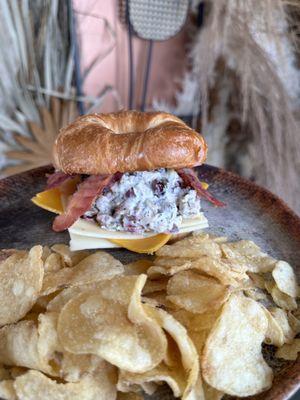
(231, 33)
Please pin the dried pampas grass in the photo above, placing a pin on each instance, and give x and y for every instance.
(37, 67)
(254, 43)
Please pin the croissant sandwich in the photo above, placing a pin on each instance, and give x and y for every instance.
(125, 179)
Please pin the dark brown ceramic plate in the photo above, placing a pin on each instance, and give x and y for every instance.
(251, 213)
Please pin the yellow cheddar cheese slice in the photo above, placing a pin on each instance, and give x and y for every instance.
(49, 200)
(148, 245)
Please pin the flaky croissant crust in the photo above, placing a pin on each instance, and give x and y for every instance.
(127, 141)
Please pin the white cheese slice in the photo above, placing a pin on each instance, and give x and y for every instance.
(81, 242)
(78, 242)
(89, 228)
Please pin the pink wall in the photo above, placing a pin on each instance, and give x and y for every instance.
(168, 58)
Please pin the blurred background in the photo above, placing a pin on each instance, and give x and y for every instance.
(229, 68)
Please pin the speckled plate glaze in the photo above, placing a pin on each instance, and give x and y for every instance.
(251, 213)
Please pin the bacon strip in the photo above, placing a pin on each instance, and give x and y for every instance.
(56, 179)
(81, 200)
(190, 178)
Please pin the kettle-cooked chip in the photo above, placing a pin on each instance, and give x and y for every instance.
(157, 271)
(220, 269)
(36, 386)
(289, 351)
(53, 263)
(60, 299)
(282, 300)
(138, 315)
(274, 334)
(294, 322)
(211, 393)
(161, 373)
(96, 267)
(129, 396)
(191, 247)
(196, 322)
(249, 255)
(46, 253)
(188, 352)
(196, 293)
(48, 343)
(21, 277)
(285, 278)
(137, 267)
(281, 318)
(19, 346)
(93, 323)
(73, 367)
(4, 373)
(153, 286)
(168, 262)
(7, 390)
(69, 257)
(232, 360)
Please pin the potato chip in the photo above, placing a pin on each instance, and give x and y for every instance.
(285, 278)
(191, 247)
(53, 263)
(161, 373)
(168, 262)
(197, 322)
(232, 361)
(14, 339)
(21, 277)
(4, 373)
(120, 289)
(189, 356)
(17, 371)
(289, 351)
(282, 319)
(160, 300)
(153, 286)
(93, 323)
(48, 344)
(69, 257)
(274, 334)
(257, 294)
(129, 396)
(73, 367)
(42, 302)
(46, 253)
(248, 254)
(219, 270)
(137, 267)
(129, 387)
(211, 393)
(281, 299)
(199, 339)
(7, 390)
(157, 271)
(294, 322)
(110, 290)
(138, 315)
(36, 386)
(96, 267)
(257, 279)
(196, 293)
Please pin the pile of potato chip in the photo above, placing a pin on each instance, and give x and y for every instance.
(80, 325)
